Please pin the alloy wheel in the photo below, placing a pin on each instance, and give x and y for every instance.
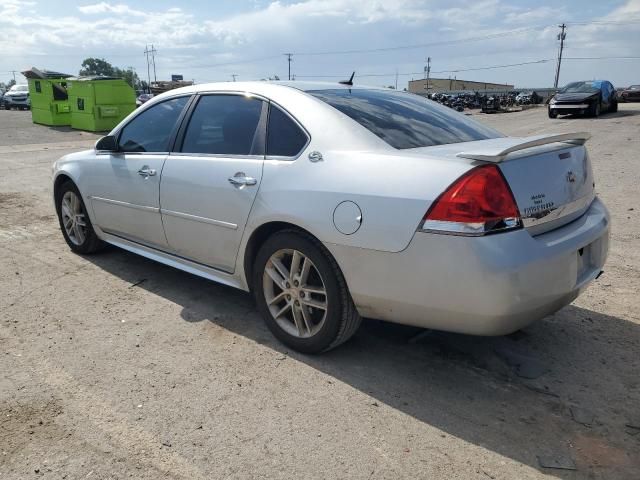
(73, 218)
(295, 293)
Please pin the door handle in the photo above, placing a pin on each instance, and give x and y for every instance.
(147, 172)
(240, 180)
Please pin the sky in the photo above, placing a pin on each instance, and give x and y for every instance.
(214, 40)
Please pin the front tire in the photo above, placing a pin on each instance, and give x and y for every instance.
(552, 113)
(75, 223)
(301, 293)
(595, 109)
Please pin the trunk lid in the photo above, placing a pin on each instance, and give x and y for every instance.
(550, 175)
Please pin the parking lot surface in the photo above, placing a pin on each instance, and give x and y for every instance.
(113, 366)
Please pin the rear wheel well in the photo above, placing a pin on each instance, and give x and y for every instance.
(258, 237)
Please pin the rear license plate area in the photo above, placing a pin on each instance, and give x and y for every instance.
(585, 261)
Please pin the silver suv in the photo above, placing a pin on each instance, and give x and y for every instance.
(17, 97)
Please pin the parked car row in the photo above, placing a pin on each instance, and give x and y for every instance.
(16, 97)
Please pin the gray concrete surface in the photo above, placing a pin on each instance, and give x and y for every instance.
(113, 366)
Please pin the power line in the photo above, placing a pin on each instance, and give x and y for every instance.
(237, 62)
(491, 67)
(601, 58)
(423, 45)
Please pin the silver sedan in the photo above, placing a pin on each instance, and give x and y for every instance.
(334, 202)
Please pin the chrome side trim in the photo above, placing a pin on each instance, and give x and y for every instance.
(126, 204)
(196, 218)
(556, 212)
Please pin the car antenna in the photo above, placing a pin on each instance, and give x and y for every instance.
(348, 82)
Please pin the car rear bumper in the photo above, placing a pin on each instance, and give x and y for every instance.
(491, 285)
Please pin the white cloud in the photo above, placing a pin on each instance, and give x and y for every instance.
(188, 38)
(104, 7)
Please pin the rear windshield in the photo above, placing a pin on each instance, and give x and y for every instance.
(404, 120)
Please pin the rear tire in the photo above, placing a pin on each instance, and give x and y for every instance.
(301, 293)
(74, 220)
(614, 107)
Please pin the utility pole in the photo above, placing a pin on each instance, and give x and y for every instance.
(146, 54)
(427, 72)
(561, 36)
(289, 55)
(234, 75)
(14, 74)
(153, 59)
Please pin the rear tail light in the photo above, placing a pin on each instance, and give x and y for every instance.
(478, 203)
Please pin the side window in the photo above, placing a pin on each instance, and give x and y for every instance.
(284, 137)
(224, 124)
(150, 131)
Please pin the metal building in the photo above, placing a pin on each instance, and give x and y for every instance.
(453, 84)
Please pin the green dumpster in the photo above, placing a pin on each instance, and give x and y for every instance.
(99, 103)
(49, 98)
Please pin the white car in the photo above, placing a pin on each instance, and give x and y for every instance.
(334, 202)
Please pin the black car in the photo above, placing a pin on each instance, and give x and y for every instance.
(631, 94)
(591, 98)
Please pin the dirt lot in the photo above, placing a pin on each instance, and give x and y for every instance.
(113, 366)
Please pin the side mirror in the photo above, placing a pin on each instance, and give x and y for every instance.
(107, 144)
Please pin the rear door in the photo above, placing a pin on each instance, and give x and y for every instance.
(210, 182)
(124, 186)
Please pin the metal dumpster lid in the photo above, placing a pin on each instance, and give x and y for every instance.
(33, 72)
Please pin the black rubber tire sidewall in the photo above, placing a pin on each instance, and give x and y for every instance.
(331, 328)
(91, 243)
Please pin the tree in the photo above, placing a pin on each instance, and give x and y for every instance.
(99, 66)
(96, 66)
(10, 83)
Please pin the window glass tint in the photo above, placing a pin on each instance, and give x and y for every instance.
(284, 137)
(224, 124)
(405, 120)
(150, 131)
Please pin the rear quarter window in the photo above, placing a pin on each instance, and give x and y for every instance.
(404, 120)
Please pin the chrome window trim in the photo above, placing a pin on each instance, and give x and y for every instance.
(216, 155)
(107, 152)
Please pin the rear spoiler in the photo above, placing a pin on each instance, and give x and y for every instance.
(497, 153)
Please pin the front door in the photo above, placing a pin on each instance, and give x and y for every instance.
(209, 185)
(124, 186)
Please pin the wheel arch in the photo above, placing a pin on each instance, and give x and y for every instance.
(260, 234)
(61, 178)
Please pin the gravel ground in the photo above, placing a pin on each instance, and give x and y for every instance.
(113, 366)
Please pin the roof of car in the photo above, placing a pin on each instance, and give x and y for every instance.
(263, 86)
